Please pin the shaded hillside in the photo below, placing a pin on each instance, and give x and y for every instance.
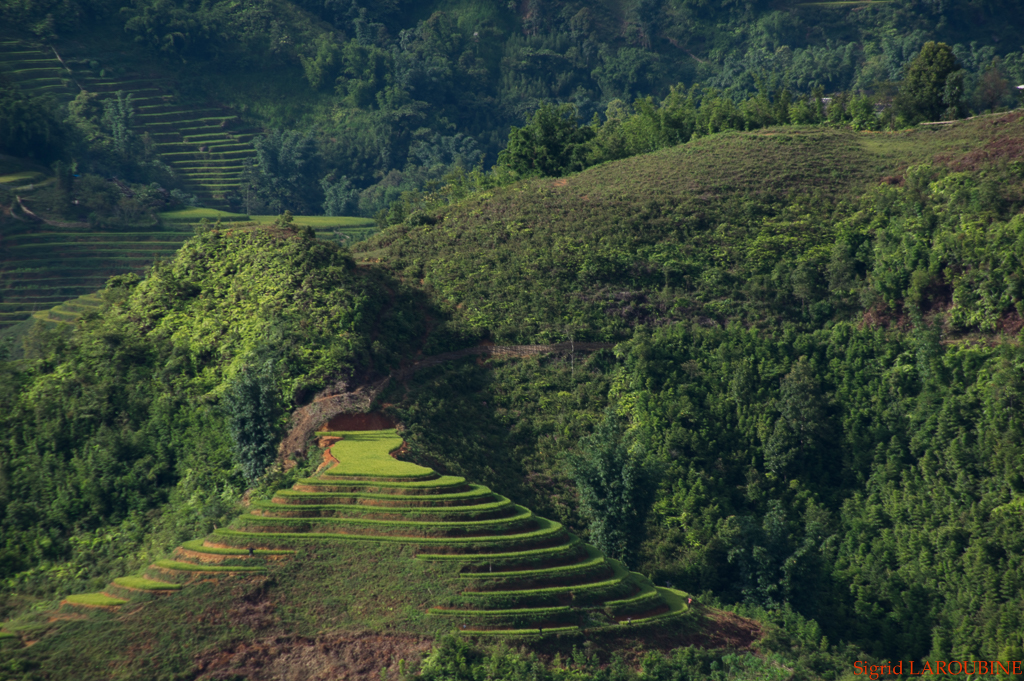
(364, 101)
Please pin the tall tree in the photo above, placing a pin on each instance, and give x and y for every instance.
(551, 143)
(253, 413)
(616, 483)
(922, 93)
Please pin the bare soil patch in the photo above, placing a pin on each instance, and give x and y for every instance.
(333, 656)
(372, 421)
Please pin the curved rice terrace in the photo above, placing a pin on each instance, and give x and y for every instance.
(511, 573)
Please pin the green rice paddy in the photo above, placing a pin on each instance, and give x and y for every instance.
(197, 214)
(22, 177)
(426, 486)
(143, 584)
(197, 546)
(547, 582)
(96, 600)
(318, 220)
(365, 454)
(474, 492)
(193, 567)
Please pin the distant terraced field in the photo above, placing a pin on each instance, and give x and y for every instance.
(36, 70)
(206, 146)
(41, 267)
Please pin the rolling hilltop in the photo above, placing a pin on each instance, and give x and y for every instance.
(722, 228)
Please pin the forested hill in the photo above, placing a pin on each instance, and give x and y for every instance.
(807, 247)
(359, 103)
(812, 413)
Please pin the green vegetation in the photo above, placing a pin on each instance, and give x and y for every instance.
(510, 615)
(811, 414)
(256, 530)
(592, 603)
(193, 567)
(546, 574)
(101, 600)
(197, 214)
(569, 550)
(506, 522)
(317, 220)
(411, 487)
(144, 584)
(254, 416)
(51, 265)
(473, 494)
(691, 251)
(163, 374)
(26, 177)
(198, 546)
(304, 509)
(366, 455)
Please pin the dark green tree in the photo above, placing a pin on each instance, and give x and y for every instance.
(922, 93)
(253, 409)
(616, 484)
(284, 175)
(801, 429)
(552, 143)
(118, 115)
(340, 197)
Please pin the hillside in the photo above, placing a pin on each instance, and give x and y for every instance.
(203, 146)
(355, 105)
(810, 416)
(372, 110)
(373, 543)
(736, 226)
(823, 336)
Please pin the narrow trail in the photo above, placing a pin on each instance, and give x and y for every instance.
(337, 399)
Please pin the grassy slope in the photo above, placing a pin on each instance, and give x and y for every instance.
(325, 591)
(663, 236)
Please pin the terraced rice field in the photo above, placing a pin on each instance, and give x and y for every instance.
(206, 146)
(36, 70)
(53, 274)
(521, 575)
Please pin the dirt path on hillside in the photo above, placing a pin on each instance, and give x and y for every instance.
(339, 399)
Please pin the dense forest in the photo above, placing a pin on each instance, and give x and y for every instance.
(811, 412)
(360, 105)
